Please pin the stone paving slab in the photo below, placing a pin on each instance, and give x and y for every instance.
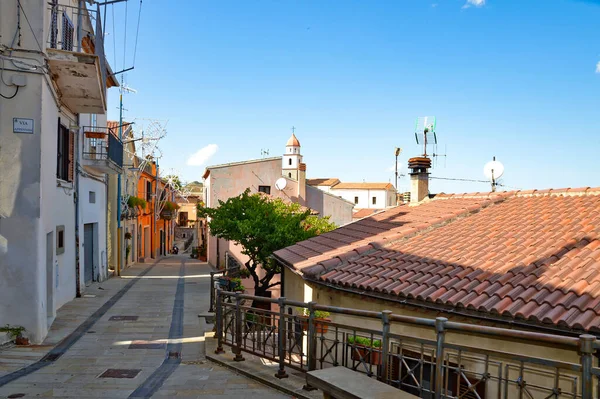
(106, 344)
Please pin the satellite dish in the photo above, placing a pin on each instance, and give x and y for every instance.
(493, 169)
(280, 184)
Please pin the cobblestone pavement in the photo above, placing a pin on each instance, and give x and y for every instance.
(145, 325)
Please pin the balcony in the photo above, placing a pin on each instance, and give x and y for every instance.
(79, 72)
(428, 358)
(102, 150)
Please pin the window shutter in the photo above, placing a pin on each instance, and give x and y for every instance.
(58, 149)
(71, 164)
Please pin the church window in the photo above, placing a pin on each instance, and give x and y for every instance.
(290, 161)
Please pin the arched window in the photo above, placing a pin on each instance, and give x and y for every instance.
(289, 175)
(290, 161)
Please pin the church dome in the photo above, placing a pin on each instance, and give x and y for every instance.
(293, 141)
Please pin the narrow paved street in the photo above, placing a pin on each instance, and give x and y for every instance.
(135, 336)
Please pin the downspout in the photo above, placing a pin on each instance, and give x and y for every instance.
(76, 201)
(154, 216)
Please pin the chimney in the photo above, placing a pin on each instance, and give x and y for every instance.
(419, 178)
(302, 184)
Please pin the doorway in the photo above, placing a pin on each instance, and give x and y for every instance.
(88, 255)
(147, 242)
(162, 243)
(50, 277)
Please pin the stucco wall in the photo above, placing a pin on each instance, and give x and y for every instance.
(384, 198)
(329, 205)
(21, 232)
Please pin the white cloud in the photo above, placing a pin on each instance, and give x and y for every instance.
(200, 157)
(476, 3)
(598, 67)
(434, 5)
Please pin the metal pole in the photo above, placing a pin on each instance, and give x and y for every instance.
(219, 321)
(212, 292)
(281, 335)
(119, 182)
(238, 329)
(439, 355)
(312, 337)
(586, 348)
(385, 343)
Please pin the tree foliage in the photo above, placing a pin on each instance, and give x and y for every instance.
(262, 225)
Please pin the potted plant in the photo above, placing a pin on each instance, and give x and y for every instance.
(202, 252)
(194, 254)
(16, 333)
(365, 349)
(235, 285)
(320, 318)
(127, 252)
(128, 236)
(244, 273)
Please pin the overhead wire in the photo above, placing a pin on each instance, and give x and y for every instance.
(30, 28)
(125, 36)
(114, 35)
(458, 179)
(137, 32)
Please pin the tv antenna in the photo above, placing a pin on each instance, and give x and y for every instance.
(493, 170)
(425, 132)
(436, 155)
(264, 152)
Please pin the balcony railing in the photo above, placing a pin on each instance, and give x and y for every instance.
(102, 149)
(430, 365)
(78, 63)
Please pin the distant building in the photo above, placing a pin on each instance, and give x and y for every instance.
(362, 195)
(259, 175)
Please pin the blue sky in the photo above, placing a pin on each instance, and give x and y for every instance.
(505, 78)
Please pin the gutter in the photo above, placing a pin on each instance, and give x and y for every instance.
(450, 311)
(428, 306)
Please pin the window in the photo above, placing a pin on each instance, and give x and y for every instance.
(290, 161)
(264, 189)
(356, 200)
(67, 33)
(92, 195)
(290, 175)
(374, 200)
(54, 24)
(148, 190)
(64, 153)
(60, 240)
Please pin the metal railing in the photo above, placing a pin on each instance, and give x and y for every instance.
(232, 269)
(426, 364)
(101, 144)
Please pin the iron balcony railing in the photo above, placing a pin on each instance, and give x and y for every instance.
(101, 144)
(63, 35)
(428, 365)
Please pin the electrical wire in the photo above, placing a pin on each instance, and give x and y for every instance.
(125, 38)
(10, 97)
(30, 28)
(137, 33)
(114, 35)
(457, 179)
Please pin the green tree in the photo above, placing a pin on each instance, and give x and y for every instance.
(263, 225)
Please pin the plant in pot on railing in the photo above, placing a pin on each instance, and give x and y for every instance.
(321, 319)
(16, 333)
(365, 349)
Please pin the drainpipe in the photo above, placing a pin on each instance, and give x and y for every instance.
(76, 201)
(154, 216)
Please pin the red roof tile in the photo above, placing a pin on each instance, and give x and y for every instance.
(531, 255)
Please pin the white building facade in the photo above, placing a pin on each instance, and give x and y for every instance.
(366, 195)
(54, 157)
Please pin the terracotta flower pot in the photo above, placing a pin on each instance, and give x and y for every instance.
(22, 341)
(361, 352)
(320, 327)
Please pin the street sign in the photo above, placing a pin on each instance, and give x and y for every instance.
(22, 125)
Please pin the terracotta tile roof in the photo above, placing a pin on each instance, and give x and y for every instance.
(364, 212)
(327, 181)
(529, 255)
(370, 186)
